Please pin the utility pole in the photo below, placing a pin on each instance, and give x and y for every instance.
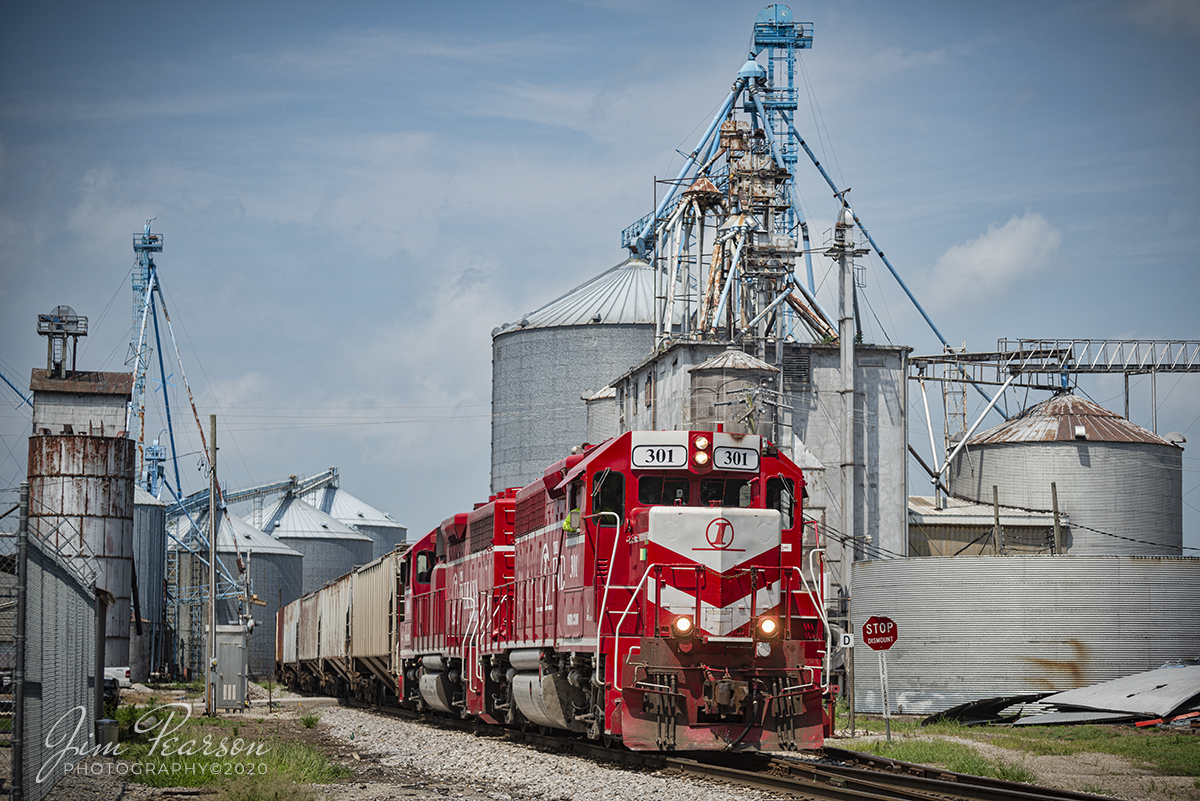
(844, 251)
(214, 525)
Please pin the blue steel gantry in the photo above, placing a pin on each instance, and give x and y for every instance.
(765, 90)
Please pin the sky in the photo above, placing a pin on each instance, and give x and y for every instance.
(353, 197)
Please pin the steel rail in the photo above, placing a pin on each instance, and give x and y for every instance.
(960, 784)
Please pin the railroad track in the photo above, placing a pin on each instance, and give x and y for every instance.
(836, 774)
(846, 775)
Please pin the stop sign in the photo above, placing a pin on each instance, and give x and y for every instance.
(879, 632)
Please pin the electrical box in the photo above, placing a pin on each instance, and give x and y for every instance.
(231, 667)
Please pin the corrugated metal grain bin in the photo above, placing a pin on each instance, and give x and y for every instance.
(373, 611)
(544, 362)
(973, 627)
(360, 516)
(291, 632)
(1121, 485)
(146, 652)
(272, 573)
(331, 549)
(335, 617)
(308, 646)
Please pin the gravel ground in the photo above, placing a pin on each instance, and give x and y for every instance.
(460, 765)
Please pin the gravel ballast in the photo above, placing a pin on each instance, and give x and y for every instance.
(510, 770)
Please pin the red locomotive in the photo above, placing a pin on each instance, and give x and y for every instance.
(655, 590)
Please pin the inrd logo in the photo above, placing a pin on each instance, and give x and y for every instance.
(719, 534)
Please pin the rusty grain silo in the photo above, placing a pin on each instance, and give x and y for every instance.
(81, 479)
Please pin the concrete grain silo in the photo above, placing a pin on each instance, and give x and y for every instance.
(544, 362)
(330, 547)
(1121, 485)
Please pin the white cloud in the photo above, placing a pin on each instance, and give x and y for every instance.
(993, 263)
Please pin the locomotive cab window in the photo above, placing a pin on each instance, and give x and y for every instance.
(424, 567)
(725, 492)
(781, 495)
(608, 497)
(660, 491)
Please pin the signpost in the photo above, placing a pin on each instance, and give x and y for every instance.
(880, 633)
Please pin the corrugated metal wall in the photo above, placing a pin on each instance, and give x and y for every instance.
(268, 573)
(1131, 490)
(308, 644)
(291, 630)
(150, 560)
(335, 617)
(538, 376)
(327, 559)
(374, 607)
(385, 538)
(976, 627)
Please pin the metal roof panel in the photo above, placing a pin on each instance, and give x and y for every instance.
(1156, 692)
(1056, 420)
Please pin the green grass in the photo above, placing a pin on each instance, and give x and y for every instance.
(310, 720)
(1171, 753)
(958, 757)
(264, 788)
(263, 770)
(194, 688)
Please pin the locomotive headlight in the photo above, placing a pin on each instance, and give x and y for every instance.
(768, 627)
(700, 458)
(682, 626)
(701, 443)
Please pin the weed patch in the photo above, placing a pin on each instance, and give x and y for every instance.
(958, 757)
(1168, 752)
(207, 752)
(264, 788)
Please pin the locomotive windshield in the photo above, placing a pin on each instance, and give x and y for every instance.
(678, 491)
(660, 490)
(725, 492)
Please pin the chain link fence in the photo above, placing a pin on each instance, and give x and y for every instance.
(9, 520)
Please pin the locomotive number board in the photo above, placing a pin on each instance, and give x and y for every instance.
(660, 456)
(735, 459)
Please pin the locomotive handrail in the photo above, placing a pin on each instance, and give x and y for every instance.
(617, 629)
(820, 607)
(467, 639)
(607, 583)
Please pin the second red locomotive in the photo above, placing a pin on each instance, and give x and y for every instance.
(655, 590)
